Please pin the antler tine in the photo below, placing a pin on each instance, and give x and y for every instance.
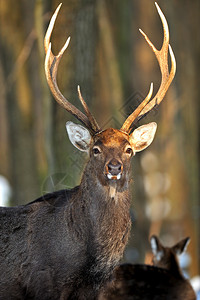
(162, 57)
(88, 113)
(51, 67)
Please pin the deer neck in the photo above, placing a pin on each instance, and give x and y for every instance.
(108, 208)
(99, 189)
(108, 204)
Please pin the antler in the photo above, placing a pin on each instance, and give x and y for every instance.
(162, 57)
(51, 67)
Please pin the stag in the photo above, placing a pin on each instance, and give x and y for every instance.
(66, 244)
(163, 280)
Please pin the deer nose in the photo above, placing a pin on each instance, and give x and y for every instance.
(114, 168)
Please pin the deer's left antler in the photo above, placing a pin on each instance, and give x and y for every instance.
(162, 56)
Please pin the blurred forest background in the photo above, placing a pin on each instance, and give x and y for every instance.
(114, 66)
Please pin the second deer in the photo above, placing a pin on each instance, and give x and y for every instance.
(162, 281)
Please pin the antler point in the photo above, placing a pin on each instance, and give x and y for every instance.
(59, 6)
(142, 32)
(157, 6)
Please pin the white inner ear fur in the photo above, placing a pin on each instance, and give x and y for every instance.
(158, 253)
(142, 137)
(79, 136)
(154, 246)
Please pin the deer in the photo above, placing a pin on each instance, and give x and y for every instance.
(162, 280)
(66, 244)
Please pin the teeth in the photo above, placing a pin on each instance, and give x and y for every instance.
(110, 176)
(118, 176)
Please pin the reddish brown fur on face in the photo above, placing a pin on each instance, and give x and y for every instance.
(112, 144)
(112, 138)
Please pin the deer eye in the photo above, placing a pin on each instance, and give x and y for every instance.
(129, 150)
(96, 150)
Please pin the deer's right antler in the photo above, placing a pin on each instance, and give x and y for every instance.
(51, 67)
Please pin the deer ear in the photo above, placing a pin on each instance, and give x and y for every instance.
(181, 246)
(79, 136)
(156, 247)
(142, 137)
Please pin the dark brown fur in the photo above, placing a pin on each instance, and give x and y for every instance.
(66, 244)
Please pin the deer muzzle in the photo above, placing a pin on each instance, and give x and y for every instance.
(114, 169)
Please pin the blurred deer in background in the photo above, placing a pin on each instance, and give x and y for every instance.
(163, 280)
(66, 244)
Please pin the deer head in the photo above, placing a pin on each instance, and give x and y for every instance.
(166, 257)
(111, 149)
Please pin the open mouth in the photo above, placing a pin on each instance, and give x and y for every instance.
(113, 177)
